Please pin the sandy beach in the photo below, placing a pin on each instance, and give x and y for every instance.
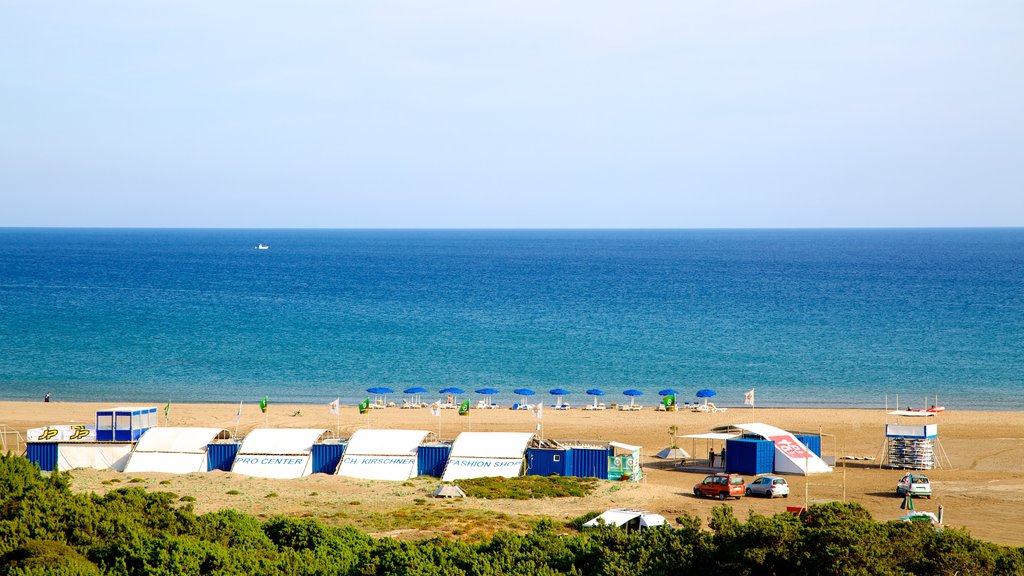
(983, 491)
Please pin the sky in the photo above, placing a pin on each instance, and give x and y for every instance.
(528, 114)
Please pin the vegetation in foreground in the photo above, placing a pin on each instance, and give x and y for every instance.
(47, 529)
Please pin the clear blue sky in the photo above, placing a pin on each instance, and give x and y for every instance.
(484, 114)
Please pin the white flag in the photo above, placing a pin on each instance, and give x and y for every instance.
(238, 415)
(748, 397)
(540, 410)
(334, 405)
(435, 409)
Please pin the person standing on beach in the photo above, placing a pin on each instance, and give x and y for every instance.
(47, 397)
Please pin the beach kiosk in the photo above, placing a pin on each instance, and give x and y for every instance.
(624, 462)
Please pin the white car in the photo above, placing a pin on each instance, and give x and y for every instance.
(769, 487)
(915, 485)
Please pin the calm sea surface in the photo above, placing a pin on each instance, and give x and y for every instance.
(806, 317)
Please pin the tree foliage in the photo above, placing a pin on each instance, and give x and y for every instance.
(47, 529)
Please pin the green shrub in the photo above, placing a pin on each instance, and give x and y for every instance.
(527, 487)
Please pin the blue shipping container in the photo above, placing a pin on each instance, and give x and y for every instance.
(431, 459)
(326, 457)
(546, 462)
(43, 454)
(813, 443)
(221, 456)
(589, 462)
(751, 457)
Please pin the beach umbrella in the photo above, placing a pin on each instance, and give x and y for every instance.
(558, 393)
(595, 392)
(487, 392)
(382, 392)
(667, 392)
(523, 393)
(415, 391)
(632, 393)
(454, 392)
(705, 394)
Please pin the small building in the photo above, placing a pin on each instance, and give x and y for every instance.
(125, 423)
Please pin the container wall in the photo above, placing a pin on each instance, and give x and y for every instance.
(813, 443)
(326, 457)
(221, 456)
(43, 454)
(750, 457)
(544, 462)
(589, 462)
(431, 459)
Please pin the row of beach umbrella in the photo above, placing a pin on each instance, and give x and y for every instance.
(523, 393)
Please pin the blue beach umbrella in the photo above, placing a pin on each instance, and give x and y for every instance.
(487, 392)
(558, 393)
(632, 393)
(705, 394)
(454, 392)
(382, 392)
(523, 393)
(415, 391)
(667, 392)
(595, 392)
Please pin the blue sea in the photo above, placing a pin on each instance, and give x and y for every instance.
(804, 317)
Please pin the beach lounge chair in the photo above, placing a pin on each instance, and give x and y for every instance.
(714, 408)
(561, 407)
(481, 405)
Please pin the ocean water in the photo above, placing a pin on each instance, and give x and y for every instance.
(805, 317)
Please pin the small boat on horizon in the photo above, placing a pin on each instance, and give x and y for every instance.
(263, 247)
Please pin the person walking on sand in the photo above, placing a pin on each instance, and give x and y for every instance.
(47, 397)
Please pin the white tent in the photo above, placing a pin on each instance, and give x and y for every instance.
(480, 454)
(277, 452)
(382, 454)
(791, 456)
(173, 450)
(101, 456)
(631, 519)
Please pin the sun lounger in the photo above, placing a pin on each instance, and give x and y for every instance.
(600, 406)
(518, 406)
(561, 407)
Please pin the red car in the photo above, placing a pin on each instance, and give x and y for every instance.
(721, 486)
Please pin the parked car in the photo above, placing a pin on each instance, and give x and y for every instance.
(916, 485)
(769, 487)
(721, 486)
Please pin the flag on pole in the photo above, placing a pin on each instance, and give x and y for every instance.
(539, 412)
(669, 401)
(464, 408)
(263, 404)
(364, 406)
(238, 415)
(435, 409)
(748, 397)
(334, 405)
(167, 409)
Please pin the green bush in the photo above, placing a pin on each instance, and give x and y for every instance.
(527, 487)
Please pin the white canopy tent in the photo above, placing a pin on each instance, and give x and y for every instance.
(631, 519)
(277, 452)
(480, 454)
(173, 450)
(101, 456)
(382, 454)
